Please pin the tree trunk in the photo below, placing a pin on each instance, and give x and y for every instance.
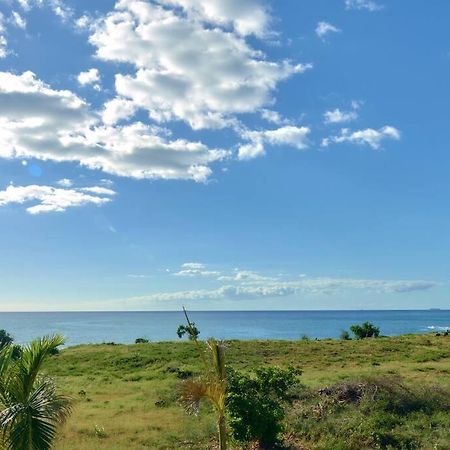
(222, 433)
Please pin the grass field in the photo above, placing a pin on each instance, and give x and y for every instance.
(126, 395)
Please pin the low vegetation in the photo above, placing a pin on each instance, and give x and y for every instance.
(385, 393)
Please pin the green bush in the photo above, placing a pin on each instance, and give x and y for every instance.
(190, 330)
(141, 341)
(256, 403)
(5, 340)
(366, 330)
(345, 335)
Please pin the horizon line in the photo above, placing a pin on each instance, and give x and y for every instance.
(220, 311)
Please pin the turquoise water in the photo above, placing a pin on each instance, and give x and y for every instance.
(125, 327)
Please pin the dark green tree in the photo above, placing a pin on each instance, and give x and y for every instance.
(366, 330)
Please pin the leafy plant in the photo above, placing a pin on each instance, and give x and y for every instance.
(345, 335)
(366, 330)
(211, 385)
(7, 340)
(256, 403)
(190, 330)
(141, 341)
(32, 409)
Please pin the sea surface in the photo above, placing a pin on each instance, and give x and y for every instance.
(125, 327)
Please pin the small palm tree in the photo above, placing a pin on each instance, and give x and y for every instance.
(32, 409)
(211, 385)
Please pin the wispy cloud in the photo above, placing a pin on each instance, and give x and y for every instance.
(275, 289)
(48, 199)
(324, 28)
(368, 136)
(288, 135)
(192, 269)
(369, 5)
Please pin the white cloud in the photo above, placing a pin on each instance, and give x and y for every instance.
(50, 199)
(3, 40)
(84, 22)
(245, 16)
(324, 28)
(289, 135)
(282, 289)
(195, 270)
(246, 277)
(18, 20)
(369, 136)
(65, 182)
(116, 110)
(58, 7)
(274, 117)
(39, 122)
(3, 46)
(368, 5)
(206, 81)
(90, 77)
(339, 116)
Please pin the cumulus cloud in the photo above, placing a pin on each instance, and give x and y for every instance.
(287, 288)
(47, 199)
(369, 5)
(39, 122)
(289, 135)
(245, 16)
(369, 136)
(90, 77)
(324, 28)
(206, 81)
(339, 116)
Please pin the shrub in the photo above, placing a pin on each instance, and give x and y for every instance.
(5, 339)
(141, 341)
(255, 403)
(345, 335)
(366, 330)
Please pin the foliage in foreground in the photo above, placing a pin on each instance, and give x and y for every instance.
(31, 407)
(256, 403)
(211, 385)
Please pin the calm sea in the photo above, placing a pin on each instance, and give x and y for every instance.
(125, 327)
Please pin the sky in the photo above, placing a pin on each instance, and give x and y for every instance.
(224, 155)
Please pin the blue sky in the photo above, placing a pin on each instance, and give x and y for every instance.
(224, 155)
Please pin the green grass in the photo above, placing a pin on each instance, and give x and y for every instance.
(125, 395)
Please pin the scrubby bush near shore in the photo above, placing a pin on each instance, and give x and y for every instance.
(366, 330)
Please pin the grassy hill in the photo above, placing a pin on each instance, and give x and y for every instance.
(382, 393)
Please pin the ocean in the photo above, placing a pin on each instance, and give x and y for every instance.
(125, 327)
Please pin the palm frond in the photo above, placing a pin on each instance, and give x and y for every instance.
(32, 407)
